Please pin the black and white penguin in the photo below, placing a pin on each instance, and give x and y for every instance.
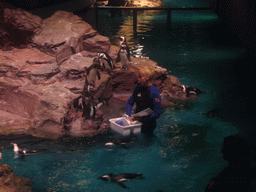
(106, 61)
(124, 53)
(77, 103)
(120, 178)
(26, 151)
(86, 100)
(1, 148)
(122, 142)
(213, 112)
(92, 74)
(191, 90)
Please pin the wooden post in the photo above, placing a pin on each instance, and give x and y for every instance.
(134, 20)
(169, 18)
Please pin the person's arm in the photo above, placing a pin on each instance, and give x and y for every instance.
(156, 104)
(129, 105)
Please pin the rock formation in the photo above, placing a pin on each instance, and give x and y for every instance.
(10, 182)
(41, 76)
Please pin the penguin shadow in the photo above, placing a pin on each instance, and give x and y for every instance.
(215, 112)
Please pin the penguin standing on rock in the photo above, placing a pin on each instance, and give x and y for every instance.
(106, 61)
(120, 178)
(86, 100)
(92, 74)
(124, 53)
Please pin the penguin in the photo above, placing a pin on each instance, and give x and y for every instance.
(1, 148)
(191, 90)
(106, 61)
(89, 110)
(213, 112)
(120, 178)
(122, 142)
(124, 53)
(92, 73)
(26, 151)
(77, 103)
(86, 103)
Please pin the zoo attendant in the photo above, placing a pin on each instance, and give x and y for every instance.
(145, 95)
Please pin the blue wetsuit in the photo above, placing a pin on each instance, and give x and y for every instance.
(146, 97)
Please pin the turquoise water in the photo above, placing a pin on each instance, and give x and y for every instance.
(185, 154)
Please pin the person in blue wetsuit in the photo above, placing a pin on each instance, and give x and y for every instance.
(145, 95)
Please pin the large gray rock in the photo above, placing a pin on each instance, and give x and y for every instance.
(52, 105)
(64, 34)
(21, 62)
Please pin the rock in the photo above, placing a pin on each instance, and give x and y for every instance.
(44, 73)
(97, 44)
(37, 88)
(17, 26)
(77, 126)
(13, 124)
(76, 63)
(52, 106)
(12, 183)
(64, 34)
(20, 62)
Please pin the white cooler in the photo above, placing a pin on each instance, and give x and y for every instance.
(127, 128)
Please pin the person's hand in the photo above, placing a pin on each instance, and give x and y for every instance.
(131, 119)
(138, 118)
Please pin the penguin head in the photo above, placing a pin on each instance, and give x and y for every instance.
(101, 55)
(15, 147)
(122, 39)
(106, 177)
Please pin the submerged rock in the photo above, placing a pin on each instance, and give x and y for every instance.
(10, 182)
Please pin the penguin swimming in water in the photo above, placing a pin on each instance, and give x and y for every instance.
(213, 112)
(122, 142)
(124, 53)
(120, 178)
(106, 61)
(191, 90)
(26, 151)
(1, 148)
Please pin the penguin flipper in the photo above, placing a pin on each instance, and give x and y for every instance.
(122, 185)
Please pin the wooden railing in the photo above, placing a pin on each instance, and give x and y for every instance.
(136, 9)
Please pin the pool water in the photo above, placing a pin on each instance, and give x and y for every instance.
(185, 152)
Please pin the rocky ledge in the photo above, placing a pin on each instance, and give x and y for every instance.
(43, 70)
(12, 183)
